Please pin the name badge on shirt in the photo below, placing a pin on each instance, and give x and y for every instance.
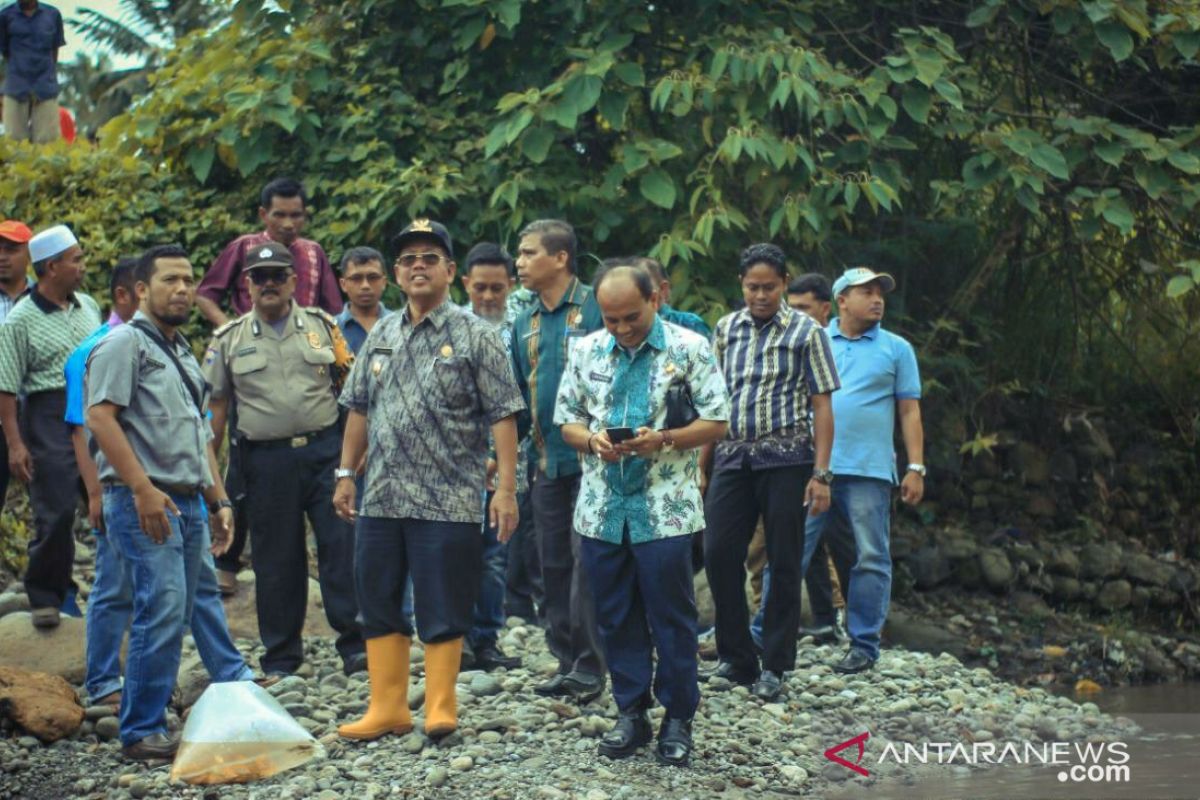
(245, 351)
(597, 376)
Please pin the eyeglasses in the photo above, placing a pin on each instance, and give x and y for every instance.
(368, 277)
(261, 277)
(409, 260)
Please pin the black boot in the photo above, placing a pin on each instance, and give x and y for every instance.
(631, 732)
(674, 742)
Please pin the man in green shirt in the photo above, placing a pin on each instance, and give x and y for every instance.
(42, 330)
(542, 337)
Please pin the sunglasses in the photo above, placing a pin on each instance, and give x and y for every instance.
(261, 277)
(409, 260)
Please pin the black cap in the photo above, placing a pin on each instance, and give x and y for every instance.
(268, 254)
(423, 228)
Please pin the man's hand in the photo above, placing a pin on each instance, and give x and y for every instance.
(20, 463)
(153, 509)
(503, 514)
(95, 512)
(816, 497)
(490, 481)
(221, 527)
(912, 488)
(647, 442)
(343, 499)
(600, 445)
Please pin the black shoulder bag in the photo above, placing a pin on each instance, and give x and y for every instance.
(157, 338)
(681, 409)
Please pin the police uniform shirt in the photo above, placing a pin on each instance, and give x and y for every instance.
(168, 433)
(282, 382)
(430, 392)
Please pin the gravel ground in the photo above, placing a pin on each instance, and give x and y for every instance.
(513, 744)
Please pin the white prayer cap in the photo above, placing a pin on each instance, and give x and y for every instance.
(51, 242)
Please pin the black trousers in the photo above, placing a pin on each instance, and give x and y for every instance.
(736, 498)
(571, 632)
(235, 487)
(54, 495)
(285, 484)
(523, 572)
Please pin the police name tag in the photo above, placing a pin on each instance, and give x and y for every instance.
(597, 376)
(245, 351)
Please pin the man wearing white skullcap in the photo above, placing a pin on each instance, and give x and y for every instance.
(39, 334)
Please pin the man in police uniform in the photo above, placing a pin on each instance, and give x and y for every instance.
(282, 364)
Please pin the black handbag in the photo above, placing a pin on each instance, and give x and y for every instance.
(681, 409)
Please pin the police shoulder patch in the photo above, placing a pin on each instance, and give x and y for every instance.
(324, 315)
(227, 327)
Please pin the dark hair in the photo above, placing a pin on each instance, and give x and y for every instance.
(814, 283)
(641, 276)
(39, 267)
(282, 187)
(360, 255)
(146, 263)
(556, 236)
(492, 254)
(651, 265)
(123, 277)
(763, 253)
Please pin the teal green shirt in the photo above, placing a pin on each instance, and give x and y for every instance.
(685, 319)
(541, 341)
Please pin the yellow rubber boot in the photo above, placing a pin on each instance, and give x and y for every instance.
(441, 674)
(387, 667)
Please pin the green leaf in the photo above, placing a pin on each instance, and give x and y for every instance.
(1110, 153)
(984, 15)
(536, 144)
(1153, 179)
(200, 160)
(916, 101)
(1117, 213)
(1187, 43)
(631, 73)
(981, 170)
(633, 159)
(949, 91)
(1049, 158)
(1179, 286)
(1184, 162)
(1116, 38)
(657, 187)
(582, 93)
(930, 65)
(612, 107)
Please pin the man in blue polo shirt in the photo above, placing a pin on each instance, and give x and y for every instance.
(30, 35)
(880, 381)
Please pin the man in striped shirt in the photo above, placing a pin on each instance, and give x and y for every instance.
(774, 360)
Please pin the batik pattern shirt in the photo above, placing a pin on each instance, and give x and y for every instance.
(771, 370)
(607, 387)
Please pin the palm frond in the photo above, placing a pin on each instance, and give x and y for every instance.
(113, 34)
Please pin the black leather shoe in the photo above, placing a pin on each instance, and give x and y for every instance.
(631, 732)
(674, 742)
(489, 657)
(821, 634)
(768, 686)
(853, 662)
(354, 663)
(731, 673)
(155, 747)
(555, 687)
(584, 688)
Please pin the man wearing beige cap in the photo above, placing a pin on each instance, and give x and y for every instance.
(35, 340)
(14, 284)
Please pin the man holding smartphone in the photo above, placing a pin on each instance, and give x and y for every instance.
(640, 501)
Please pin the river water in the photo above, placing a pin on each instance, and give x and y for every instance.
(1163, 760)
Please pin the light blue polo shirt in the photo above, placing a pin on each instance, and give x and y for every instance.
(74, 371)
(877, 369)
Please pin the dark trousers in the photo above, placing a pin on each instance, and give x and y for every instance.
(645, 605)
(570, 613)
(284, 484)
(235, 487)
(736, 498)
(489, 604)
(820, 588)
(54, 494)
(442, 558)
(523, 572)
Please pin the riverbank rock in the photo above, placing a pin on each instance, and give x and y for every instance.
(57, 651)
(43, 705)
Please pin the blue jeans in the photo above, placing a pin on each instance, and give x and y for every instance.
(110, 606)
(862, 506)
(489, 606)
(164, 578)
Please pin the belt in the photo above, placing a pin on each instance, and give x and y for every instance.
(186, 490)
(293, 442)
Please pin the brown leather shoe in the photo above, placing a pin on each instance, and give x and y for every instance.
(155, 747)
(227, 582)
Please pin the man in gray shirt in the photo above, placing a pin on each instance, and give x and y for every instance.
(146, 400)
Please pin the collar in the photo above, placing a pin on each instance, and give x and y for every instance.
(49, 306)
(436, 317)
(781, 319)
(257, 322)
(573, 295)
(835, 331)
(179, 342)
(344, 316)
(656, 338)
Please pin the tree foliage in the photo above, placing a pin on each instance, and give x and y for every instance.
(1027, 169)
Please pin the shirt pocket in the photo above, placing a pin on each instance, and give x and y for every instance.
(319, 358)
(249, 363)
(452, 381)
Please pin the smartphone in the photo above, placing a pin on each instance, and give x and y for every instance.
(618, 435)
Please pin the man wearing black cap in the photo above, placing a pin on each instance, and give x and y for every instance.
(429, 384)
(283, 365)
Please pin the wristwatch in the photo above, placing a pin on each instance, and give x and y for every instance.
(824, 476)
(917, 468)
(668, 444)
(340, 473)
(213, 508)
